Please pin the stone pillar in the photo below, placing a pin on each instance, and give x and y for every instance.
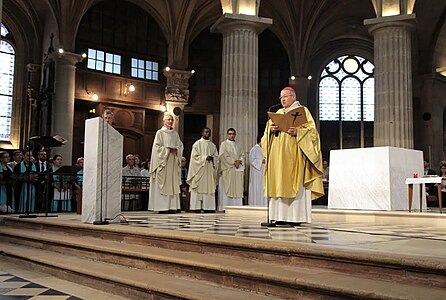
(393, 124)
(239, 83)
(177, 95)
(63, 105)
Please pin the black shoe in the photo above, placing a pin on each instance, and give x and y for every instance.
(209, 211)
(164, 212)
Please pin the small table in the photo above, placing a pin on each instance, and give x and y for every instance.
(422, 181)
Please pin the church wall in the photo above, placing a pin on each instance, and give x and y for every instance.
(429, 123)
(122, 28)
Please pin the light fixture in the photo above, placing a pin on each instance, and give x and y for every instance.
(293, 77)
(167, 69)
(192, 71)
(92, 111)
(92, 95)
(128, 88)
(240, 7)
(386, 8)
(163, 107)
(310, 77)
(61, 50)
(84, 55)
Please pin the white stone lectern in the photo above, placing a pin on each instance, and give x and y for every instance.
(101, 193)
(372, 178)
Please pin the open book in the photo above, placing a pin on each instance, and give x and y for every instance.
(293, 118)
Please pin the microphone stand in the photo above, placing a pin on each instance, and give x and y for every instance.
(268, 222)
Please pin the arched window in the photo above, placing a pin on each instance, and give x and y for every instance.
(346, 103)
(7, 58)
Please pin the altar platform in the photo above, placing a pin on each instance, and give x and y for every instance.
(340, 255)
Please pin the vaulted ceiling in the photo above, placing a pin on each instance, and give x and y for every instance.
(306, 28)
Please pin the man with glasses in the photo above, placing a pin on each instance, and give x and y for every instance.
(293, 175)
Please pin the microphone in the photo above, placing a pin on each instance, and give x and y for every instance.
(276, 134)
(274, 106)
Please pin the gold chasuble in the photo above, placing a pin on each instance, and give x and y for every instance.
(292, 161)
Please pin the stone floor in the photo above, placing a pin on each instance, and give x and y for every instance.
(414, 239)
(421, 235)
(16, 283)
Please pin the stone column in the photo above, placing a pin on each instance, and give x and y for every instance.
(177, 95)
(239, 94)
(393, 124)
(63, 106)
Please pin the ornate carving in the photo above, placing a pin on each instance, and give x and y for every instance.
(177, 89)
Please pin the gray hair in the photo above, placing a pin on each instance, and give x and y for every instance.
(107, 112)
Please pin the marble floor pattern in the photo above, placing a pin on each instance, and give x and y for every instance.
(408, 239)
(18, 283)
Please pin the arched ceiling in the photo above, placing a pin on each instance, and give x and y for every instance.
(440, 52)
(304, 27)
(307, 27)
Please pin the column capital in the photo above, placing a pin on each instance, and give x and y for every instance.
(230, 22)
(67, 58)
(177, 87)
(375, 24)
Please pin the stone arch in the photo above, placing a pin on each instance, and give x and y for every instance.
(440, 50)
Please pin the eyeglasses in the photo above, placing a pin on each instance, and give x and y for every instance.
(284, 96)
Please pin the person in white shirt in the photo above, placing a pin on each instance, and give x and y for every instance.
(256, 196)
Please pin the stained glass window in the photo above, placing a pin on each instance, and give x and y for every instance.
(7, 60)
(347, 86)
(346, 102)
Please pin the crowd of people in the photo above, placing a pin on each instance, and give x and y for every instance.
(432, 189)
(30, 185)
(288, 162)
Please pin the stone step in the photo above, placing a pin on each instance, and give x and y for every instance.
(262, 277)
(406, 269)
(128, 282)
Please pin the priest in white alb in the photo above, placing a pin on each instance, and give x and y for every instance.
(165, 169)
(294, 166)
(256, 196)
(231, 171)
(202, 176)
